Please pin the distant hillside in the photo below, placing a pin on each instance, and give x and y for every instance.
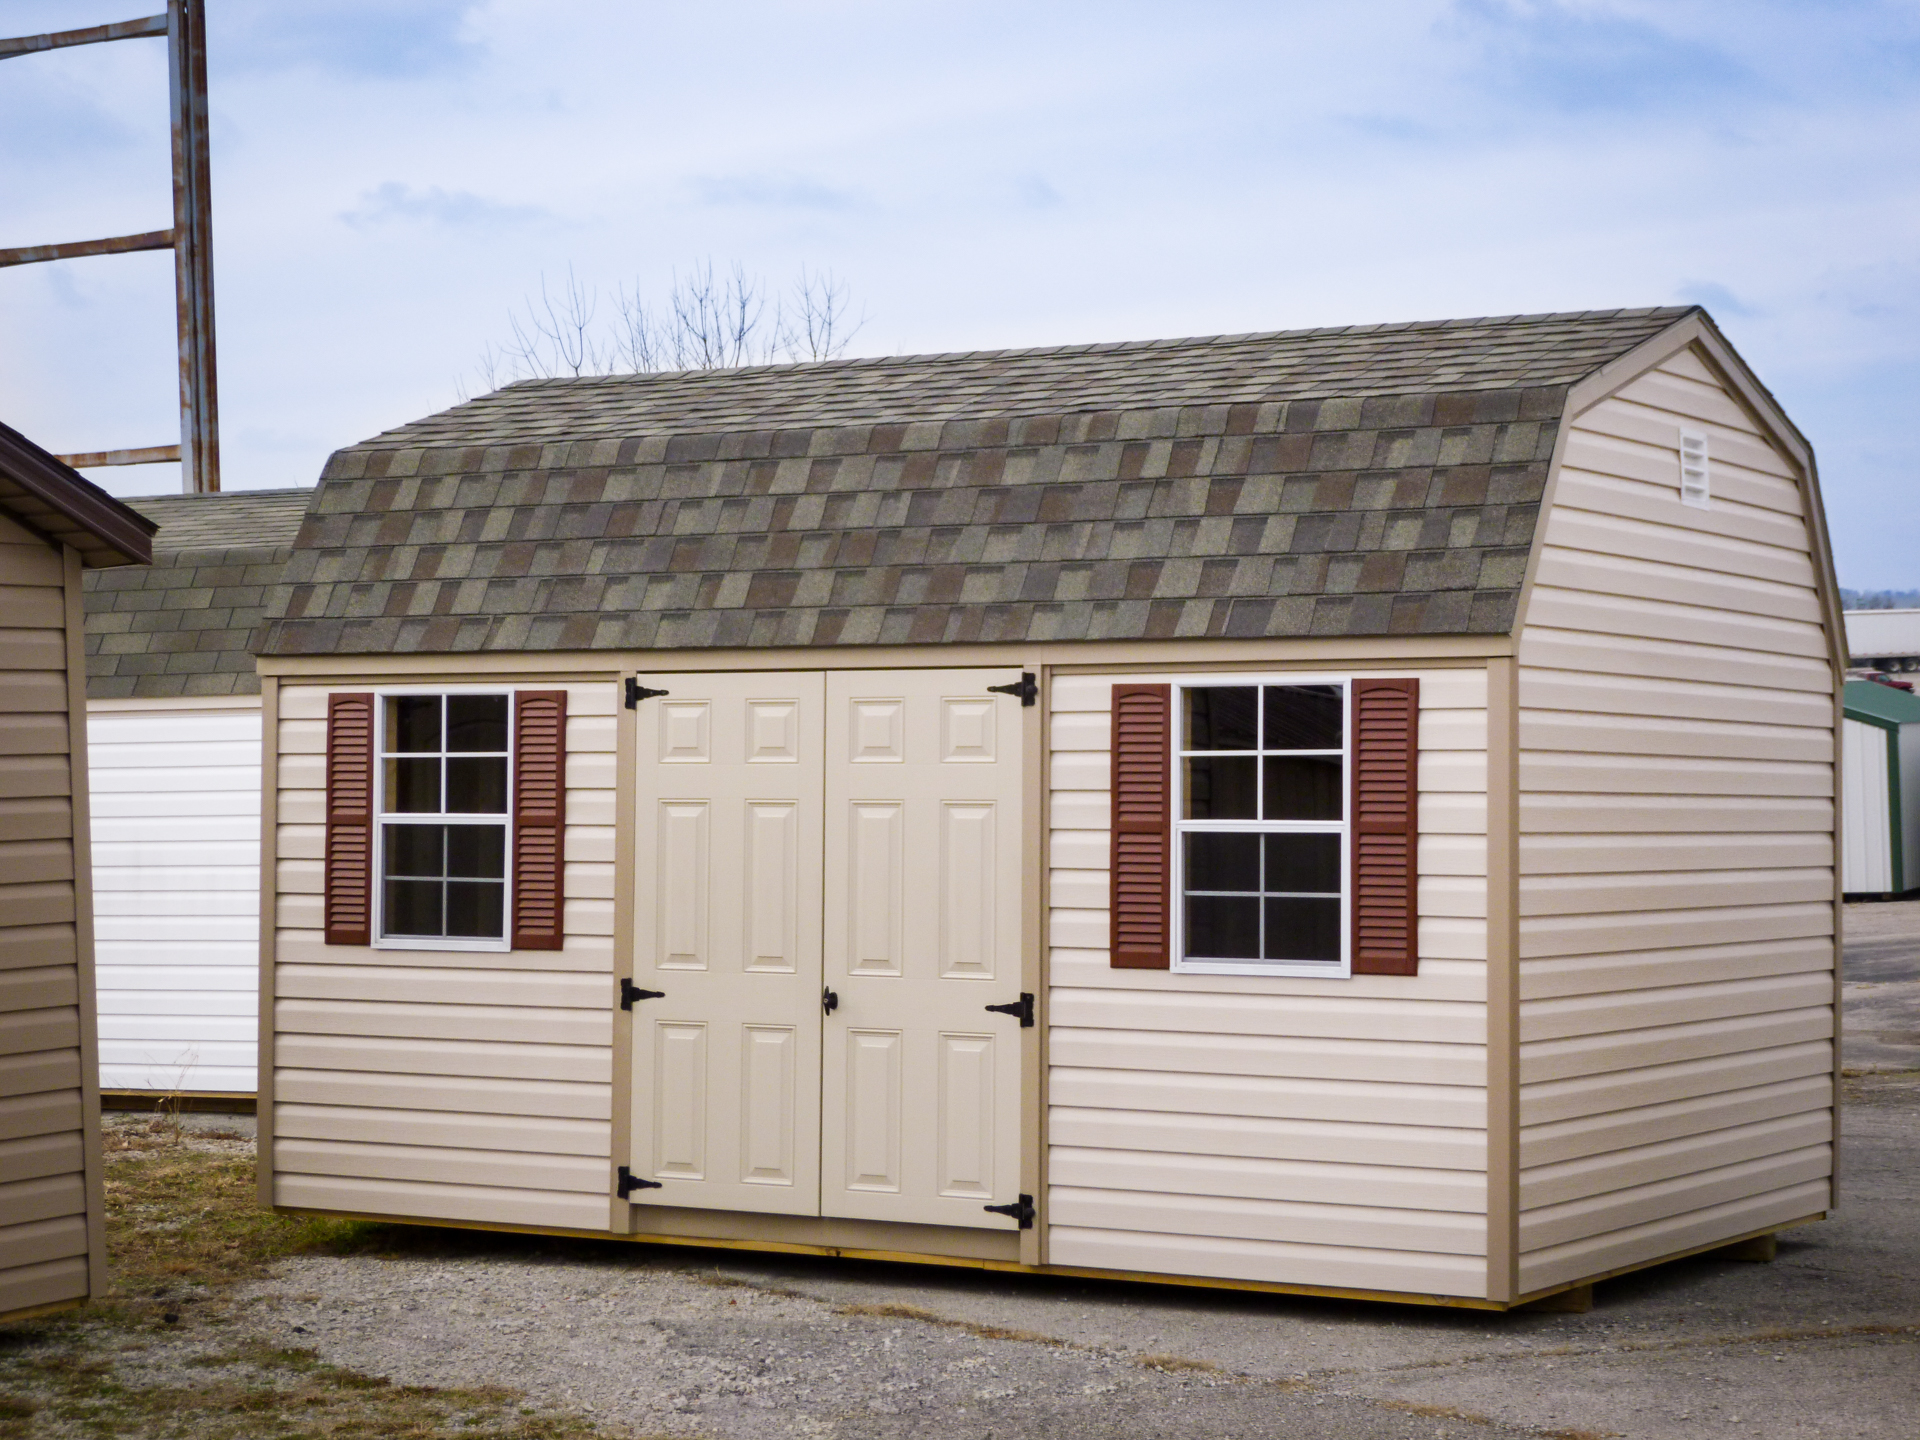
(1879, 599)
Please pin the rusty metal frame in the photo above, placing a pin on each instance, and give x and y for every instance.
(190, 239)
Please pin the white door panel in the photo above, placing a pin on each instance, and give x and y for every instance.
(726, 1065)
(923, 866)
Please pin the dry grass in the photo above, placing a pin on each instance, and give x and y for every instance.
(165, 1358)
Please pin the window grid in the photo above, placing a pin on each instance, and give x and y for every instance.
(498, 820)
(1182, 827)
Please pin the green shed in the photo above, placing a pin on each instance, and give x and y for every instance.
(1880, 849)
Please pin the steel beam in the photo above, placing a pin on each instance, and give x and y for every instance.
(74, 249)
(151, 455)
(193, 247)
(92, 35)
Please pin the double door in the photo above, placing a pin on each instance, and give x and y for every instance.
(829, 877)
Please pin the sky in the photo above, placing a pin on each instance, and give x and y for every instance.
(393, 178)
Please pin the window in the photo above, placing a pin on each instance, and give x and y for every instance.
(442, 818)
(1260, 828)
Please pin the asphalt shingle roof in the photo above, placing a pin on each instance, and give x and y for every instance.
(1363, 481)
(182, 626)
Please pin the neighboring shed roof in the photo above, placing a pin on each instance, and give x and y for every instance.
(1875, 703)
(182, 626)
(1363, 481)
(51, 498)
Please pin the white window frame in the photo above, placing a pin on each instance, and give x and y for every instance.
(381, 818)
(1176, 898)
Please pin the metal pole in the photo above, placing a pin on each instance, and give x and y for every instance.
(193, 246)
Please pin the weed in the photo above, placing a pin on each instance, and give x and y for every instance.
(1173, 1363)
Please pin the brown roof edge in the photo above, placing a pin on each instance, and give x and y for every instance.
(50, 496)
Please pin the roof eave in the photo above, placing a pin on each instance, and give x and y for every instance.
(49, 496)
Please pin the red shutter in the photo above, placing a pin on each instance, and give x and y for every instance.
(1386, 826)
(347, 906)
(539, 818)
(1142, 825)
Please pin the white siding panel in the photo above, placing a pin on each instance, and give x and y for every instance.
(1294, 1129)
(176, 864)
(446, 1084)
(1868, 810)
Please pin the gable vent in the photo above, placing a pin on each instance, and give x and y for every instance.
(1695, 479)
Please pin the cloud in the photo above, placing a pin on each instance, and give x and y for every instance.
(1581, 61)
(382, 39)
(394, 201)
(1718, 299)
(788, 192)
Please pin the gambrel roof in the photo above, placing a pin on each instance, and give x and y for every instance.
(1369, 480)
(182, 626)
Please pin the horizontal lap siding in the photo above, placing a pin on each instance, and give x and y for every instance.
(176, 899)
(43, 1191)
(1677, 847)
(1300, 1131)
(442, 1084)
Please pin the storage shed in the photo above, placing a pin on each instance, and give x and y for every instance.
(54, 526)
(1346, 811)
(1880, 857)
(173, 720)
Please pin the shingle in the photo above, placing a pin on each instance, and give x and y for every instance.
(1368, 480)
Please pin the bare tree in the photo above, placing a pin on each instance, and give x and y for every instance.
(710, 320)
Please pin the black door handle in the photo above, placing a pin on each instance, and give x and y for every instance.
(829, 1002)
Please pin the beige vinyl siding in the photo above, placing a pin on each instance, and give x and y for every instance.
(44, 1043)
(1677, 847)
(448, 1085)
(1299, 1131)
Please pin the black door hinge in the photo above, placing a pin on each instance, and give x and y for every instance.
(636, 692)
(1021, 1210)
(1026, 687)
(630, 992)
(1023, 1007)
(630, 1182)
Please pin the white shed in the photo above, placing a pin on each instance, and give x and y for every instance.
(173, 724)
(1880, 801)
(1346, 811)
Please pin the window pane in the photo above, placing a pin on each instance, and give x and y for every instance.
(1220, 717)
(1222, 862)
(476, 786)
(476, 722)
(413, 908)
(477, 852)
(1303, 787)
(1221, 787)
(1304, 862)
(414, 850)
(1223, 927)
(413, 787)
(1303, 929)
(1302, 717)
(413, 724)
(475, 908)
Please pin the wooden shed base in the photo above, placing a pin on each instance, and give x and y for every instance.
(34, 1312)
(1752, 1242)
(193, 1102)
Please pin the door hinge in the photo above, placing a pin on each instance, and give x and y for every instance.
(1026, 687)
(630, 992)
(630, 1182)
(1023, 1007)
(1021, 1210)
(636, 692)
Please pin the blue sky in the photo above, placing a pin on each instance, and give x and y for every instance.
(391, 177)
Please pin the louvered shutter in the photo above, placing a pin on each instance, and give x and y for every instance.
(347, 905)
(539, 818)
(1142, 825)
(1386, 826)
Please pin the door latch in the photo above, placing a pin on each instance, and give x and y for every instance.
(1026, 687)
(1021, 1210)
(829, 1002)
(1023, 1007)
(636, 692)
(630, 1182)
(630, 992)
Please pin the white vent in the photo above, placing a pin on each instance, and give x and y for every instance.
(1695, 479)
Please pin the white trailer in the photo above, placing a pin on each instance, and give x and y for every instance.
(1884, 639)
